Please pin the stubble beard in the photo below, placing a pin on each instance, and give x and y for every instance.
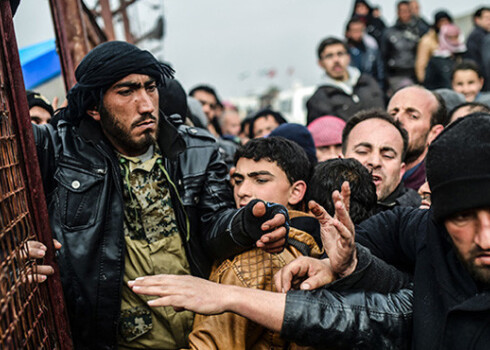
(121, 137)
(480, 274)
(415, 151)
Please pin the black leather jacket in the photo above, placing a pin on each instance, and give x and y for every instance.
(83, 187)
(346, 320)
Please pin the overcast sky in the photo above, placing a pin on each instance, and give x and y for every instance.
(230, 44)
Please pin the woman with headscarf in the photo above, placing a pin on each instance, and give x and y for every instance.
(450, 51)
(429, 43)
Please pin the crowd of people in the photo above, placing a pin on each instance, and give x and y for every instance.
(180, 225)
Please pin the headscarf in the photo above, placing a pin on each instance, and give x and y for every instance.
(105, 65)
(447, 47)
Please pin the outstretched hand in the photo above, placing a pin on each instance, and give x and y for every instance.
(182, 293)
(338, 232)
(273, 241)
(304, 273)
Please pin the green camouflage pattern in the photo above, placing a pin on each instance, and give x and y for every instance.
(148, 214)
(134, 322)
(153, 246)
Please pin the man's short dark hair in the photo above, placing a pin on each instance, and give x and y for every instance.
(288, 155)
(208, 89)
(328, 176)
(264, 113)
(478, 13)
(402, 2)
(354, 19)
(439, 114)
(373, 114)
(473, 108)
(467, 65)
(328, 42)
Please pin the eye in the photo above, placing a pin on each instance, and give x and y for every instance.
(462, 218)
(125, 92)
(151, 88)
(414, 116)
(237, 181)
(262, 180)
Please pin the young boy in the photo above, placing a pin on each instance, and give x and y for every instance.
(467, 79)
(273, 170)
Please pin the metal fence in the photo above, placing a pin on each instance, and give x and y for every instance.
(23, 312)
(32, 315)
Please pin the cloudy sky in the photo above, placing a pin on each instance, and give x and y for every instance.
(232, 44)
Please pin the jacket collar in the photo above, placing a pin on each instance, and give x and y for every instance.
(171, 143)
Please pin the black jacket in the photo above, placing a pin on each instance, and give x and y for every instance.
(400, 197)
(399, 46)
(450, 311)
(83, 186)
(340, 316)
(330, 100)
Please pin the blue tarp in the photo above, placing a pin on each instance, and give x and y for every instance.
(40, 63)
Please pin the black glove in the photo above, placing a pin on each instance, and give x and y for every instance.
(246, 227)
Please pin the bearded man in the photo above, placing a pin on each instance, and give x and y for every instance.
(130, 194)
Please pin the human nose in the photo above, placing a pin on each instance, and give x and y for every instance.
(145, 103)
(482, 239)
(373, 160)
(243, 189)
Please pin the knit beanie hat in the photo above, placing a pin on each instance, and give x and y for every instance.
(327, 130)
(458, 166)
(36, 99)
(297, 133)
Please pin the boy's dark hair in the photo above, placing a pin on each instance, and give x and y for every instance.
(208, 89)
(288, 155)
(329, 176)
(373, 114)
(264, 113)
(473, 108)
(327, 42)
(467, 65)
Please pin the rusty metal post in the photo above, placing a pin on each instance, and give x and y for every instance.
(18, 110)
(105, 11)
(125, 18)
(71, 36)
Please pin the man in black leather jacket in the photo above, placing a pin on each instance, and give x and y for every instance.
(112, 118)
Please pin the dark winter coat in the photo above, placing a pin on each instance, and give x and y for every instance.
(450, 311)
(330, 100)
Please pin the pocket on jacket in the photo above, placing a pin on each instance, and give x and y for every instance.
(79, 193)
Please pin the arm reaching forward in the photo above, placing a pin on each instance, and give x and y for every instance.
(209, 298)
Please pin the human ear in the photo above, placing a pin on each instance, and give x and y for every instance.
(94, 114)
(434, 132)
(297, 192)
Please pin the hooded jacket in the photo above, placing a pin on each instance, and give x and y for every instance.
(83, 186)
(344, 99)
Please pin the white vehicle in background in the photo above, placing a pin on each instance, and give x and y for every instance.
(292, 103)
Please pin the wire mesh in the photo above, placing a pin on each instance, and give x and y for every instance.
(25, 322)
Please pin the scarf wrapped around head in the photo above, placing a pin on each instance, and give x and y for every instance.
(447, 44)
(102, 67)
